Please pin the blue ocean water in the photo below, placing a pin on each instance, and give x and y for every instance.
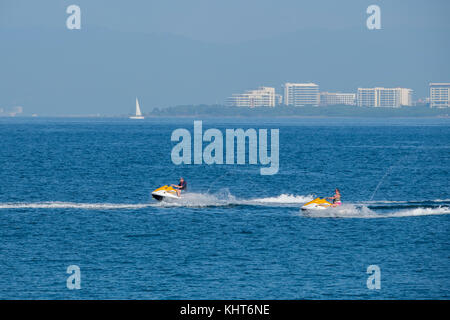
(77, 192)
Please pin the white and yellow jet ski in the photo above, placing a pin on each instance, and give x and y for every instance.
(165, 193)
(316, 204)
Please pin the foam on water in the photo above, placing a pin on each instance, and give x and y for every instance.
(403, 201)
(361, 211)
(221, 198)
(420, 212)
(286, 198)
(70, 205)
(224, 198)
(201, 200)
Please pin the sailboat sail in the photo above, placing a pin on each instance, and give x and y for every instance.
(138, 110)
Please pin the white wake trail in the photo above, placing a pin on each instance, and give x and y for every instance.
(286, 199)
(358, 211)
(221, 198)
(71, 205)
(420, 212)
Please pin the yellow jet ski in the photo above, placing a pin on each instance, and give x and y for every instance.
(165, 193)
(316, 204)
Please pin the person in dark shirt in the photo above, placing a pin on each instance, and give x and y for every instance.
(182, 185)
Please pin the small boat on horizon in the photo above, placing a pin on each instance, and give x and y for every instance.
(138, 112)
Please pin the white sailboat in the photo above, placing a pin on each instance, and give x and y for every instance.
(138, 112)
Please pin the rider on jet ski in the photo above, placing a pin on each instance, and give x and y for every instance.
(182, 185)
(336, 198)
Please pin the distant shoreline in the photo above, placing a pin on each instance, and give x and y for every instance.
(338, 111)
(321, 112)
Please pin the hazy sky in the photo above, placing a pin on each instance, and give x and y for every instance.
(225, 21)
(210, 49)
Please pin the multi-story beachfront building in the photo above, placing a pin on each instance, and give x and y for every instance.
(388, 97)
(336, 98)
(384, 97)
(279, 99)
(439, 95)
(301, 94)
(261, 97)
(406, 97)
(366, 97)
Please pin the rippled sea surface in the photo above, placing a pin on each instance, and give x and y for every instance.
(77, 192)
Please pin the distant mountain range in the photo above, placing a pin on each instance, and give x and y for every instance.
(100, 71)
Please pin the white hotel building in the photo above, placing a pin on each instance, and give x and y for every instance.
(337, 98)
(384, 97)
(301, 94)
(261, 97)
(439, 95)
